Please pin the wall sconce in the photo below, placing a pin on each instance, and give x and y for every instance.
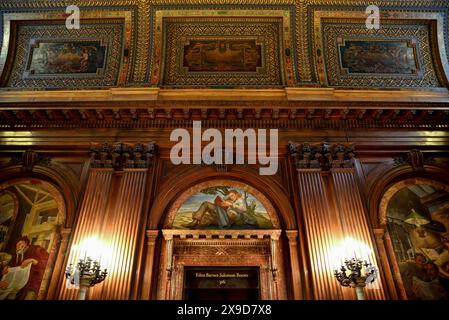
(86, 274)
(356, 273)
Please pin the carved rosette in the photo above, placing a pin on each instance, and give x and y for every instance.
(121, 156)
(322, 155)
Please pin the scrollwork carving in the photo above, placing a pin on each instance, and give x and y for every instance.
(121, 156)
(322, 156)
(414, 158)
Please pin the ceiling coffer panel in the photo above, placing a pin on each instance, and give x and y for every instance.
(402, 53)
(227, 52)
(49, 56)
(44, 54)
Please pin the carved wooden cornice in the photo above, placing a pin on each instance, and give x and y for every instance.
(322, 155)
(221, 234)
(121, 156)
(267, 116)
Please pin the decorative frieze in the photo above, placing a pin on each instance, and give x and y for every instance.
(121, 156)
(322, 155)
(291, 115)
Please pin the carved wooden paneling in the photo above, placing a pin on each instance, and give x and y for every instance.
(122, 228)
(111, 211)
(354, 219)
(321, 231)
(91, 215)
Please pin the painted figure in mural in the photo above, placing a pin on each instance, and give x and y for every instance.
(412, 269)
(5, 259)
(422, 279)
(222, 207)
(224, 212)
(429, 288)
(9, 207)
(28, 265)
(378, 57)
(440, 253)
(84, 61)
(424, 239)
(67, 57)
(418, 223)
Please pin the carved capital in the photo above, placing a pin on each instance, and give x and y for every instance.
(120, 156)
(152, 236)
(65, 232)
(292, 236)
(322, 155)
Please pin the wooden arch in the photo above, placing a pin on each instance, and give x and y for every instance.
(388, 177)
(267, 187)
(386, 180)
(58, 178)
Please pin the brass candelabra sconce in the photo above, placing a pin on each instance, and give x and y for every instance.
(356, 273)
(86, 274)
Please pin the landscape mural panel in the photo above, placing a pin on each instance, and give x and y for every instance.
(222, 207)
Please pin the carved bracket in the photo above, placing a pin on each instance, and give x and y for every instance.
(414, 158)
(218, 167)
(274, 239)
(120, 156)
(29, 159)
(322, 155)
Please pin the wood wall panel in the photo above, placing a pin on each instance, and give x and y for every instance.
(121, 233)
(111, 211)
(320, 231)
(90, 216)
(354, 220)
(333, 211)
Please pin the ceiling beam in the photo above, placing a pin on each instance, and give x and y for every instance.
(287, 95)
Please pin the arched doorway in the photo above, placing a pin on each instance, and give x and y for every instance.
(221, 240)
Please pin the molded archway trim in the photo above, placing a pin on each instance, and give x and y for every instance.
(389, 177)
(61, 179)
(269, 188)
(399, 186)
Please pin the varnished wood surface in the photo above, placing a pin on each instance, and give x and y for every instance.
(288, 94)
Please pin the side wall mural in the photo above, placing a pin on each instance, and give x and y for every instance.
(418, 222)
(29, 219)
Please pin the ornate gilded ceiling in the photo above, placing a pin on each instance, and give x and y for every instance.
(47, 55)
(224, 44)
(224, 52)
